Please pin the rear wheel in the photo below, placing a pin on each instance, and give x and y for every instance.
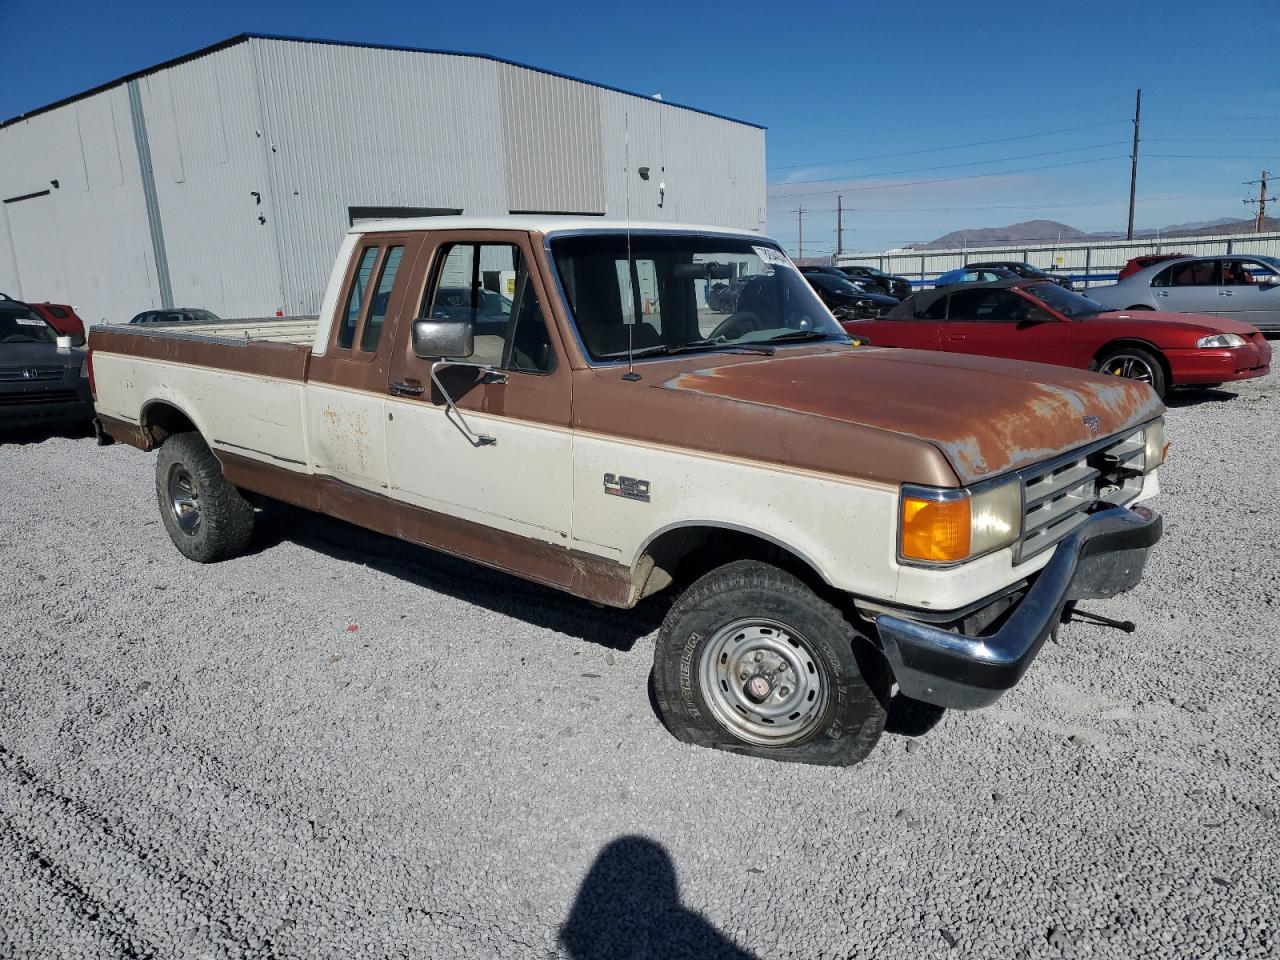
(207, 518)
(1134, 363)
(751, 660)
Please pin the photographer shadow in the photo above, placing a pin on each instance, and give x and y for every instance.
(629, 906)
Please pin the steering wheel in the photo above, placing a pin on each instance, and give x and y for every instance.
(728, 328)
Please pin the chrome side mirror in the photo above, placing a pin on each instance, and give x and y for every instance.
(434, 339)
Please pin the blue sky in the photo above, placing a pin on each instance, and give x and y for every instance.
(868, 99)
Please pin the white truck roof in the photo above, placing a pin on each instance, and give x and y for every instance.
(542, 223)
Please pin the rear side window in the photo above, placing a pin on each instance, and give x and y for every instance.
(355, 298)
(382, 295)
(937, 310)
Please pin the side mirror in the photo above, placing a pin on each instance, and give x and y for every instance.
(434, 339)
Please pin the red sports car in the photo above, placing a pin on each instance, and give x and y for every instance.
(1036, 320)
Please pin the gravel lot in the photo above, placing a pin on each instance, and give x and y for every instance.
(341, 746)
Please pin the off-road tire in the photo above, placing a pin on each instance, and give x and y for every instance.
(225, 517)
(853, 670)
(1159, 382)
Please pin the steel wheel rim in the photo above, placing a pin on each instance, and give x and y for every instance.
(184, 499)
(1130, 367)
(746, 658)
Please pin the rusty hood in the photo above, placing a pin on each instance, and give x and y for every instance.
(987, 416)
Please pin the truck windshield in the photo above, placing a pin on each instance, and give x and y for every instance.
(685, 291)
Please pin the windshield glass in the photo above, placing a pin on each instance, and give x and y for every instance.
(682, 290)
(23, 326)
(203, 316)
(1064, 301)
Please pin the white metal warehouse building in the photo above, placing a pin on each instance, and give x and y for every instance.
(224, 179)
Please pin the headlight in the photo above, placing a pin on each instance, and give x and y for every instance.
(1221, 340)
(948, 526)
(1153, 446)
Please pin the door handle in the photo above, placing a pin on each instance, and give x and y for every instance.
(406, 388)
(1226, 293)
(1162, 293)
(955, 337)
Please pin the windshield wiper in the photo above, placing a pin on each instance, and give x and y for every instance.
(666, 349)
(802, 335)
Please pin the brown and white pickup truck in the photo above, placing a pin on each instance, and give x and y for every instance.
(555, 398)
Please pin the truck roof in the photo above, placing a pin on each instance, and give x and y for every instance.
(541, 223)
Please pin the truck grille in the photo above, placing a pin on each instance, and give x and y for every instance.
(1058, 496)
(29, 374)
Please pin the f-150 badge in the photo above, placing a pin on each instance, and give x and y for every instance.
(628, 487)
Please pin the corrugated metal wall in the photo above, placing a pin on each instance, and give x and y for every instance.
(259, 149)
(551, 130)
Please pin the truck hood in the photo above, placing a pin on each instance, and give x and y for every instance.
(987, 416)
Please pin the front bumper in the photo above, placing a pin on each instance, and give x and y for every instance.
(1104, 557)
(1192, 366)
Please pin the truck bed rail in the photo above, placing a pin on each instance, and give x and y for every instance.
(299, 331)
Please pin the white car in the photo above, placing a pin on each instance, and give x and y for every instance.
(1245, 288)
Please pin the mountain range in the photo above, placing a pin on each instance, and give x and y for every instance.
(1044, 231)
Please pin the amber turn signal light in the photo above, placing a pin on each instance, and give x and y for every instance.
(937, 531)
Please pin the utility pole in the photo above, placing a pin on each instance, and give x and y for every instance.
(839, 225)
(800, 227)
(1133, 175)
(1260, 223)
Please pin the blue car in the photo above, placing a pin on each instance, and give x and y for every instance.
(974, 275)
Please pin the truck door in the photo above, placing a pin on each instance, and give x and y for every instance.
(347, 383)
(501, 456)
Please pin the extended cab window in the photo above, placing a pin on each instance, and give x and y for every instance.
(367, 298)
(488, 284)
(355, 298)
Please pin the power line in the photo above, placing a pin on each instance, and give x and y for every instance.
(916, 183)
(953, 166)
(955, 146)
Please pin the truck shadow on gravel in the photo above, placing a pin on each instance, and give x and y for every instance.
(629, 906)
(461, 579)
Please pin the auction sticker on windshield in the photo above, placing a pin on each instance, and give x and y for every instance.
(29, 322)
(775, 257)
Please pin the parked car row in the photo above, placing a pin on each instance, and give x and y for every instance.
(1040, 321)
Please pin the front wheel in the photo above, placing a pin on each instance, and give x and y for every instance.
(751, 660)
(207, 518)
(1134, 363)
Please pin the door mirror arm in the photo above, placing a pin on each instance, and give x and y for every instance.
(487, 375)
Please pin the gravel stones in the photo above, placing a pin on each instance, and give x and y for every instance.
(222, 769)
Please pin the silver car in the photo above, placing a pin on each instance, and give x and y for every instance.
(1242, 287)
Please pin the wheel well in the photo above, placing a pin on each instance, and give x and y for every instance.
(1140, 306)
(683, 554)
(161, 420)
(1150, 348)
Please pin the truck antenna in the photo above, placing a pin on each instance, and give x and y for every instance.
(630, 375)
